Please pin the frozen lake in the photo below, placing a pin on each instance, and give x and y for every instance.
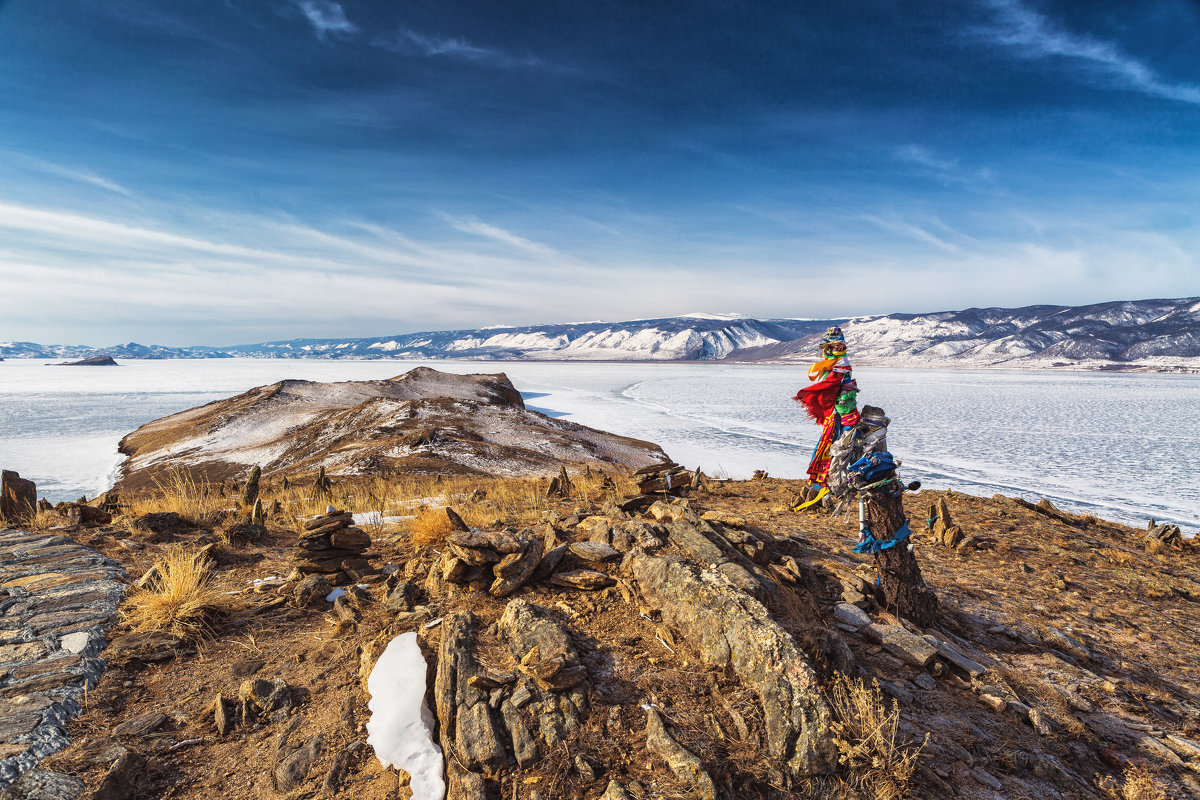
(1122, 446)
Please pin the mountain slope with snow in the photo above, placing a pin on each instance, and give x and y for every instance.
(1136, 334)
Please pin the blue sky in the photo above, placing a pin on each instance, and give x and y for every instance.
(227, 172)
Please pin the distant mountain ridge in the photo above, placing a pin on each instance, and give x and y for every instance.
(1135, 334)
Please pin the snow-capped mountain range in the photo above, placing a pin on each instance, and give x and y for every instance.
(1138, 334)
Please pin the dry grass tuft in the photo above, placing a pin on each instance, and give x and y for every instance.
(200, 503)
(431, 526)
(182, 601)
(1136, 784)
(866, 737)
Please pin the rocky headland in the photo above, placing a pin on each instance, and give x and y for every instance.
(592, 630)
(422, 422)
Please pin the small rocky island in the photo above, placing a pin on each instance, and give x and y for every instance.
(91, 361)
(324, 579)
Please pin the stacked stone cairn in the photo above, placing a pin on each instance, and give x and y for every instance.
(500, 562)
(331, 545)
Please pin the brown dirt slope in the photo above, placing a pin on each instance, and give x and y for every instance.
(1063, 663)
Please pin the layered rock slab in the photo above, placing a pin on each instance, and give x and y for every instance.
(731, 629)
(57, 599)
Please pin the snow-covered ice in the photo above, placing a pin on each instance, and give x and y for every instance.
(401, 725)
(1121, 446)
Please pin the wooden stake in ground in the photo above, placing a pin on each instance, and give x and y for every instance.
(322, 485)
(904, 588)
(250, 492)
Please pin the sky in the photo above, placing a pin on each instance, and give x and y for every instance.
(225, 171)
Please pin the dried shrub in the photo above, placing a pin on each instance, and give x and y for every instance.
(1136, 784)
(182, 599)
(178, 491)
(866, 737)
(431, 526)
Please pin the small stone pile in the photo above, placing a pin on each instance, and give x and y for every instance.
(331, 545)
(497, 561)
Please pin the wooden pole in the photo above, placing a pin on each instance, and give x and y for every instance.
(904, 588)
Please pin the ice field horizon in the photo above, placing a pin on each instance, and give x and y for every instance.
(1123, 446)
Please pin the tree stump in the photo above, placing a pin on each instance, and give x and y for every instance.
(904, 589)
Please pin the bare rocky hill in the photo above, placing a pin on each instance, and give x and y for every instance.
(423, 422)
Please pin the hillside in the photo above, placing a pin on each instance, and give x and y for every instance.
(630, 663)
(421, 422)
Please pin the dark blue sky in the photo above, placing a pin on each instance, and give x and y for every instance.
(223, 172)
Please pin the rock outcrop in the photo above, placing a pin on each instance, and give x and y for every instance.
(424, 422)
(731, 629)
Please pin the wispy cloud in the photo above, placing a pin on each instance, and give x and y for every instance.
(479, 228)
(326, 17)
(411, 43)
(911, 231)
(1034, 35)
(945, 169)
(78, 174)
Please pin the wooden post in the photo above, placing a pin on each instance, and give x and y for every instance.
(904, 589)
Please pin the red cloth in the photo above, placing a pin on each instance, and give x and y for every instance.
(819, 398)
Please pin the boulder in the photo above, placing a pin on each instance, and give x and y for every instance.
(731, 629)
(467, 726)
(515, 569)
(18, 497)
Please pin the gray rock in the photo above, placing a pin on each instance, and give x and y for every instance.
(549, 563)
(313, 589)
(524, 746)
(908, 646)
(141, 725)
(594, 551)
(39, 784)
(466, 723)
(689, 539)
(731, 629)
(686, 766)
(401, 597)
(292, 768)
(516, 568)
(851, 615)
(75, 642)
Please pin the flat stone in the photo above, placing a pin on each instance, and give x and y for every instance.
(75, 642)
(141, 725)
(851, 615)
(900, 642)
(14, 725)
(46, 666)
(38, 784)
(582, 579)
(22, 653)
(41, 683)
(594, 551)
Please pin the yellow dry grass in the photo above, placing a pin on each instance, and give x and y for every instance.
(1136, 784)
(865, 733)
(182, 600)
(179, 491)
(482, 502)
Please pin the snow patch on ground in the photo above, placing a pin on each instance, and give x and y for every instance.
(401, 725)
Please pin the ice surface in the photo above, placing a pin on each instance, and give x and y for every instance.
(401, 724)
(1121, 446)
